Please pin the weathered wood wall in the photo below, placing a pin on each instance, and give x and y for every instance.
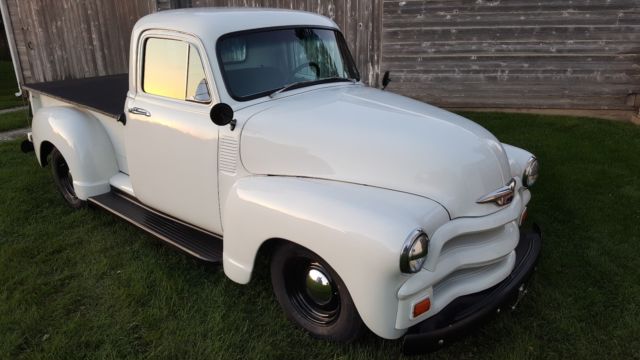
(360, 21)
(61, 39)
(172, 4)
(456, 53)
(515, 53)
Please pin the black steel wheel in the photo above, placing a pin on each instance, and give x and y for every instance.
(313, 295)
(64, 180)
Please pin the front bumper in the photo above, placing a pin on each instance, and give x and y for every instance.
(466, 313)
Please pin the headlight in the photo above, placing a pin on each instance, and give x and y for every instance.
(414, 252)
(530, 174)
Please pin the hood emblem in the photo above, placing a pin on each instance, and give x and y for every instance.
(501, 196)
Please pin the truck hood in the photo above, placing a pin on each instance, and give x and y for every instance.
(362, 135)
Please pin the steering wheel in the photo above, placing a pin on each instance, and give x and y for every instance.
(310, 64)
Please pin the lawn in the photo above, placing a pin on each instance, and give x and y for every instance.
(14, 120)
(82, 284)
(8, 87)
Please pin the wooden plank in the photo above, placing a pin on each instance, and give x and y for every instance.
(391, 6)
(611, 17)
(508, 33)
(531, 48)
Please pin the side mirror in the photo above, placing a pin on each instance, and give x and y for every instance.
(222, 114)
(385, 80)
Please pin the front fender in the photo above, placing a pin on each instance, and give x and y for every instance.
(83, 142)
(517, 159)
(359, 230)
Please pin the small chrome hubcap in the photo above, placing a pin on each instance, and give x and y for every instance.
(312, 291)
(319, 286)
(66, 179)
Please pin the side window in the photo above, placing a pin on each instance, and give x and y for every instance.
(165, 67)
(197, 89)
(173, 69)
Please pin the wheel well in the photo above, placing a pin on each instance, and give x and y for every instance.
(45, 149)
(265, 251)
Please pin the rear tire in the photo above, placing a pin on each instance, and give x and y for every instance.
(64, 180)
(313, 296)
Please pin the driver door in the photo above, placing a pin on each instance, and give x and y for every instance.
(171, 143)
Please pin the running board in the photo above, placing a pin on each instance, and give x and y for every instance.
(198, 243)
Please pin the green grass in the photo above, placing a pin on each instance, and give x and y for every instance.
(82, 284)
(14, 120)
(8, 86)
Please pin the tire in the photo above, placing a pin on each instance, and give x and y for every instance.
(63, 179)
(325, 312)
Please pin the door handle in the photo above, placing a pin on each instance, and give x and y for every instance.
(139, 111)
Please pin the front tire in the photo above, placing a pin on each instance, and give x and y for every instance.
(313, 296)
(64, 180)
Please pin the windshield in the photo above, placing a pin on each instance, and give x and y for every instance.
(257, 63)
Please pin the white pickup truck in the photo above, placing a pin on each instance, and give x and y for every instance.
(239, 134)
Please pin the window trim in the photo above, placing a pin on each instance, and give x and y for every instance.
(274, 28)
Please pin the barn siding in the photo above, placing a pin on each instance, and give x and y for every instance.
(516, 53)
(172, 4)
(454, 53)
(63, 39)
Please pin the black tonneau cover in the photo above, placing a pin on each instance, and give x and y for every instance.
(104, 94)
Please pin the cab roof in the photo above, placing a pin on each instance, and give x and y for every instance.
(211, 23)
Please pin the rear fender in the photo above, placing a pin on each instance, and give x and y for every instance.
(82, 141)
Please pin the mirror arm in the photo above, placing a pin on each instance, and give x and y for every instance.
(386, 79)
(232, 124)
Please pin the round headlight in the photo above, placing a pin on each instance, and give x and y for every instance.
(530, 174)
(414, 252)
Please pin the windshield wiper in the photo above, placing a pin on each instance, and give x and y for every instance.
(300, 84)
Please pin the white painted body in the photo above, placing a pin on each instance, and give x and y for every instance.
(344, 170)
(86, 139)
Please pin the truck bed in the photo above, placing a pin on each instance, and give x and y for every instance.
(104, 94)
